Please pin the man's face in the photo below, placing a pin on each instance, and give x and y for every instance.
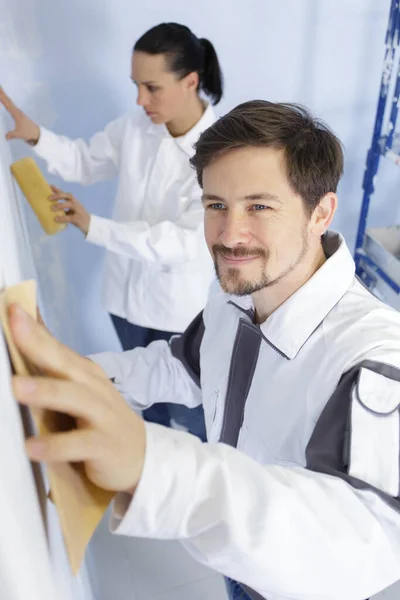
(256, 226)
(160, 93)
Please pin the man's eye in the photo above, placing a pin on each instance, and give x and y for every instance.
(259, 207)
(216, 206)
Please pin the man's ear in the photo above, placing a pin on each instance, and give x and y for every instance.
(323, 214)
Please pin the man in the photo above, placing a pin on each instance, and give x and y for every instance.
(297, 367)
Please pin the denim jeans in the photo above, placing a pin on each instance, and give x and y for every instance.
(192, 419)
(235, 591)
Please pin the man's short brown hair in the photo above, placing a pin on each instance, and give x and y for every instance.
(314, 155)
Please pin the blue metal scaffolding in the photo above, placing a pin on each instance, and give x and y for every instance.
(377, 250)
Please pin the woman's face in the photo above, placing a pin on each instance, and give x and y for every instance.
(161, 94)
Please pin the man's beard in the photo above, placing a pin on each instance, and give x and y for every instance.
(232, 282)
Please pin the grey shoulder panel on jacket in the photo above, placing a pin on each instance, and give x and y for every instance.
(328, 450)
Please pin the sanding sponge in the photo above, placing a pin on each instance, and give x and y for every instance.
(37, 191)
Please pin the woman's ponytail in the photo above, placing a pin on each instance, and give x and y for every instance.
(212, 79)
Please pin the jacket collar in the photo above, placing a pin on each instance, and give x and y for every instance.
(292, 324)
(187, 141)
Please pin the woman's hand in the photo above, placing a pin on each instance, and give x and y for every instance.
(75, 213)
(24, 128)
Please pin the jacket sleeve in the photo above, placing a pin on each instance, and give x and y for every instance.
(167, 242)
(77, 160)
(161, 372)
(328, 531)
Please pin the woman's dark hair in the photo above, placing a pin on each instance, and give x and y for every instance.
(185, 53)
(313, 154)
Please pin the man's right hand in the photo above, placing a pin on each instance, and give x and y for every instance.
(24, 128)
(110, 438)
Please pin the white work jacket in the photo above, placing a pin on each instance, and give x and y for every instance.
(158, 270)
(296, 493)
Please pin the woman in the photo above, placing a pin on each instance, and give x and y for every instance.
(157, 271)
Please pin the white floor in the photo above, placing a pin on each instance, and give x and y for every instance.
(127, 569)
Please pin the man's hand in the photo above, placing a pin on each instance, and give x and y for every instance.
(76, 213)
(24, 128)
(110, 436)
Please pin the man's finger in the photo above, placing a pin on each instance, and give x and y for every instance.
(61, 396)
(73, 446)
(8, 104)
(42, 350)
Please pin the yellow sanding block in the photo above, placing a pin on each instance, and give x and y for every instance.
(37, 191)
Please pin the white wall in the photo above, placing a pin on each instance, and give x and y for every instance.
(67, 63)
